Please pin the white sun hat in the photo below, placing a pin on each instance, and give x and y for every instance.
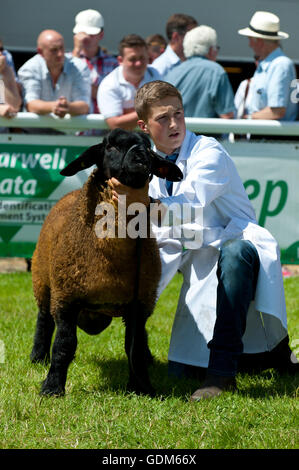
(89, 22)
(264, 25)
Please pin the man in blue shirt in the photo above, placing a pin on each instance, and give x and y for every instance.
(271, 85)
(176, 27)
(53, 83)
(204, 84)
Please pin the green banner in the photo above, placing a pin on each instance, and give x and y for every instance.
(30, 184)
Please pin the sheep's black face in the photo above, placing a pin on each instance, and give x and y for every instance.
(127, 158)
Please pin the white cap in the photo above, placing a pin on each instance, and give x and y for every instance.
(89, 22)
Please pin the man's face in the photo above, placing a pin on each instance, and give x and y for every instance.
(134, 61)
(255, 44)
(53, 52)
(90, 41)
(154, 51)
(166, 124)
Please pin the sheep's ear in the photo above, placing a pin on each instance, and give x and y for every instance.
(92, 156)
(164, 168)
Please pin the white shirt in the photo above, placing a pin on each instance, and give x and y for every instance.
(166, 61)
(213, 186)
(116, 95)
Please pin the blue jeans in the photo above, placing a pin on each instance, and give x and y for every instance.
(237, 272)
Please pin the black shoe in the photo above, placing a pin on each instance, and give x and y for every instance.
(285, 361)
(280, 358)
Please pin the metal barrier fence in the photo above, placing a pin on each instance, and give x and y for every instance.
(30, 182)
(215, 125)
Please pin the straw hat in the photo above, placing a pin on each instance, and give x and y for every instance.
(89, 22)
(264, 25)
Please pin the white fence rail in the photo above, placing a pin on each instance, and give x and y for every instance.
(202, 125)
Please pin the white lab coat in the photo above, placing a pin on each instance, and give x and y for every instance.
(212, 185)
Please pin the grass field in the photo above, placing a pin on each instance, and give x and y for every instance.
(97, 413)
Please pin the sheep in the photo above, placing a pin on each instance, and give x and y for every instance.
(81, 279)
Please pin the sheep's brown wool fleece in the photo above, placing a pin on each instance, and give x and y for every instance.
(71, 263)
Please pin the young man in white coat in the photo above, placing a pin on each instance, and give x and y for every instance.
(232, 297)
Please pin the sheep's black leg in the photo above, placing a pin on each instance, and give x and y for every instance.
(63, 352)
(137, 350)
(43, 335)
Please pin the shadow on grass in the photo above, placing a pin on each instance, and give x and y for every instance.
(269, 383)
(114, 376)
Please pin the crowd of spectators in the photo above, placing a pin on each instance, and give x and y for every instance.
(90, 80)
(204, 84)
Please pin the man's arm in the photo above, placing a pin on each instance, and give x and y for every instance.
(7, 111)
(127, 121)
(60, 108)
(11, 90)
(227, 116)
(41, 106)
(78, 107)
(269, 113)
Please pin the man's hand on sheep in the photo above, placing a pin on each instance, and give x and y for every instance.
(132, 195)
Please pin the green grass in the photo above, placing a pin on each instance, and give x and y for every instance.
(97, 413)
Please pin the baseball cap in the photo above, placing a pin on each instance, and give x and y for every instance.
(89, 22)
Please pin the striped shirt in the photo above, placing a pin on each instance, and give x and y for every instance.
(100, 66)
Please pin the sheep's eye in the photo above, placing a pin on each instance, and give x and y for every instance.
(110, 147)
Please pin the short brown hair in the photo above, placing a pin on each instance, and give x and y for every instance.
(152, 92)
(131, 40)
(156, 40)
(179, 23)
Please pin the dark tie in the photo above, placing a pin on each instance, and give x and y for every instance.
(172, 158)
